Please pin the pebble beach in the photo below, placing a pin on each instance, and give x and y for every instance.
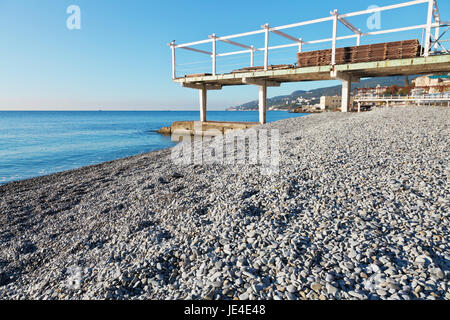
(359, 210)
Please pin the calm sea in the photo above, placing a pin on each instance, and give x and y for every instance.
(38, 143)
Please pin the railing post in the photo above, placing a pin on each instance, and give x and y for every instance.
(174, 71)
(333, 50)
(358, 40)
(214, 54)
(437, 30)
(252, 57)
(300, 45)
(266, 46)
(428, 28)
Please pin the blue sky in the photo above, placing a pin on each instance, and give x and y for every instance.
(119, 59)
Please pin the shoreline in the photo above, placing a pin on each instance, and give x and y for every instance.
(359, 196)
(92, 166)
(130, 139)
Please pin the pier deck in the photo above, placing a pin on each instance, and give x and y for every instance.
(420, 65)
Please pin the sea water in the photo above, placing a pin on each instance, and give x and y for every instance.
(36, 143)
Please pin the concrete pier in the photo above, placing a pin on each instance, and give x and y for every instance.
(406, 57)
(347, 73)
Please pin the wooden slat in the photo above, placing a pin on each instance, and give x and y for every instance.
(364, 53)
(197, 75)
(260, 68)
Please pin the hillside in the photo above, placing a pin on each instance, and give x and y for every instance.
(287, 101)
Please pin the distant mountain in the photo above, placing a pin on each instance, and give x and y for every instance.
(314, 95)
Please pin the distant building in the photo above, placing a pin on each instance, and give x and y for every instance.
(332, 103)
(416, 92)
(433, 84)
(371, 92)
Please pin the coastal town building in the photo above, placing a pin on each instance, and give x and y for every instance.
(433, 84)
(371, 92)
(332, 103)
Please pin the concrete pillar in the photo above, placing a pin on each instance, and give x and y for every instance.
(346, 87)
(359, 107)
(203, 101)
(262, 104)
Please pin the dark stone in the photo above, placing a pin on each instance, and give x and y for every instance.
(26, 248)
(248, 194)
(177, 175)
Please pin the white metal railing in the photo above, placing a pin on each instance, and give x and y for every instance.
(424, 97)
(433, 22)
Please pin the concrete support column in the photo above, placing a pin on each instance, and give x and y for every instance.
(359, 107)
(346, 88)
(262, 87)
(346, 80)
(203, 103)
(262, 104)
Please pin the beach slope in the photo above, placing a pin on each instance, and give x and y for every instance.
(359, 210)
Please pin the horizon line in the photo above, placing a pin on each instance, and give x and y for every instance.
(112, 110)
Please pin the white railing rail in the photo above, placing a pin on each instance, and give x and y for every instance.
(433, 22)
(431, 97)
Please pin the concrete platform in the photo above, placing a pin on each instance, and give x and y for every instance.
(346, 73)
(421, 65)
(212, 128)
